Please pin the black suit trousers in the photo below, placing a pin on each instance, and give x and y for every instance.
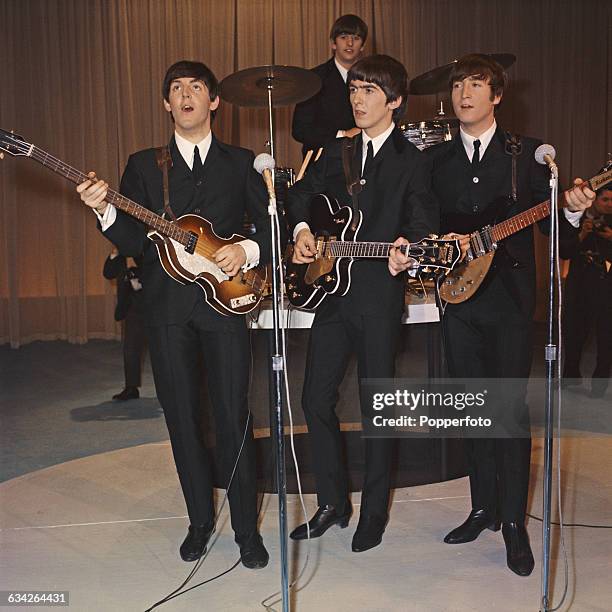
(489, 337)
(224, 344)
(336, 334)
(134, 342)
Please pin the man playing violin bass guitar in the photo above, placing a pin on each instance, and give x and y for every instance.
(217, 181)
(394, 201)
(490, 334)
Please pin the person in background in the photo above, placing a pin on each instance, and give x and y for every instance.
(129, 311)
(588, 294)
(328, 114)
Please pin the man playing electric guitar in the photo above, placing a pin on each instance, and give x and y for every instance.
(218, 181)
(490, 335)
(395, 201)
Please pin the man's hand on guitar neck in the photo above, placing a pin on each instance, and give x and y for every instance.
(579, 198)
(398, 261)
(93, 192)
(305, 247)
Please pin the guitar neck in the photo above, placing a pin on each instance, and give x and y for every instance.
(113, 197)
(341, 248)
(540, 211)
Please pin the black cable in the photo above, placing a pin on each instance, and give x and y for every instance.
(537, 518)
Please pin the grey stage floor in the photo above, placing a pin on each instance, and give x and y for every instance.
(90, 503)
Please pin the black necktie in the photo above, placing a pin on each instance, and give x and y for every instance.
(197, 164)
(476, 156)
(369, 158)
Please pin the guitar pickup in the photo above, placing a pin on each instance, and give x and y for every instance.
(191, 243)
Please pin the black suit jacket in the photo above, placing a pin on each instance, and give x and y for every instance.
(116, 268)
(229, 188)
(459, 194)
(396, 201)
(317, 120)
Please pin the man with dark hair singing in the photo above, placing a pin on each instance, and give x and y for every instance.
(328, 114)
(218, 181)
(395, 201)
(490, 335)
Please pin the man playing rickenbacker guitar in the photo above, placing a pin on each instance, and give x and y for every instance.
(395, 201)
(218, 181)
(490, 335)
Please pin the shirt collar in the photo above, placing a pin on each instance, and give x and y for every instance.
(186, 148)
(343, 71)
(485, 138)
(378, 141)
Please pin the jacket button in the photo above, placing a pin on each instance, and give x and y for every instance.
(475, 208)
(475, 179)
(198, 183)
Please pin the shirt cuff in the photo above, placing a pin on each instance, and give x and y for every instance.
(573, 217)
(108, 218)
(251, 248)
(299, 227)
(340, 134)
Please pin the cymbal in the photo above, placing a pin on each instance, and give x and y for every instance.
(289, 85)
(436, 80)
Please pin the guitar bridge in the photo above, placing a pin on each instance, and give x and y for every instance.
(191, 243)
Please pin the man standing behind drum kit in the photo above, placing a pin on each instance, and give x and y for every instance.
(328, 114)
(490, 335)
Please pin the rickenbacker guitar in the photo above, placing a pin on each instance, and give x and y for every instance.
(337, 248)
(185, 246)
(463, 281)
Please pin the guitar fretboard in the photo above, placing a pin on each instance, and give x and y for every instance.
(540, 211)
(521, 221)
(113, 197)
(341, 248)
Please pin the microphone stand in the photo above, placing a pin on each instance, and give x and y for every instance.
(277, 364)
(550, 355)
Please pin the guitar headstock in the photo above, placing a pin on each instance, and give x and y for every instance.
(13, 144)
(435, 254)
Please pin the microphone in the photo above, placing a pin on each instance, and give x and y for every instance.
(545, 155)
(264, 164)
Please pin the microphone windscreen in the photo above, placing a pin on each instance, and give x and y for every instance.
(264, 161)
(542, 150)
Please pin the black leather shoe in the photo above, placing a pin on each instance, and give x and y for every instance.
(518, 552)
(253, 553)
(477, 521)
(369, 532)
(194, 545)
(127, 394)
(323, 519)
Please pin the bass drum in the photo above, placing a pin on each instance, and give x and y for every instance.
(423, 134)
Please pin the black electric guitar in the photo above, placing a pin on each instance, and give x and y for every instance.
(463, 281)
(185, 246)
(337, 248)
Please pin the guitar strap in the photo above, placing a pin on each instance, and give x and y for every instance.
(352, 175)
(164, 162)
(513, 147)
